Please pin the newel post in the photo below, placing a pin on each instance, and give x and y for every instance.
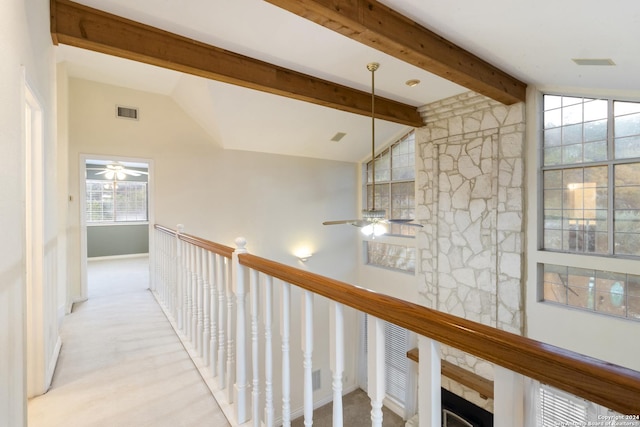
(240, 282)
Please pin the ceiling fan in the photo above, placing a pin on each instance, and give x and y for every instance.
(374, 221)
(117, 170)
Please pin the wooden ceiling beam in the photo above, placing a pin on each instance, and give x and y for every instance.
(376, 25)
(84, 27)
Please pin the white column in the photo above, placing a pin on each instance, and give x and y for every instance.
(242, 356)
(255, 348)
(508, 399)
(307, 352)
(268, 352)
(285, 330)
(337, 359)
(375, 368)
(429, 383)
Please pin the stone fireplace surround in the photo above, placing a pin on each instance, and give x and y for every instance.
(469, 197)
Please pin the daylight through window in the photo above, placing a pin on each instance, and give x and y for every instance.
(591, 201)
(116, 201)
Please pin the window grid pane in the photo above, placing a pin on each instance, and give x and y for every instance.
(395, 257)
(575, 209)
(119, 201)
(593, 209)
(616, 294)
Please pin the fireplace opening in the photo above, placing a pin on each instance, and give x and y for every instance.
(459, 412)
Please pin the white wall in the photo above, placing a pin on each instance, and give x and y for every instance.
(276, 202)
(26, 49)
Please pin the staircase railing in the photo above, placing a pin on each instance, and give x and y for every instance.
(203, 288)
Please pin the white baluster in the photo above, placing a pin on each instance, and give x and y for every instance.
(222, 324)
(189, 291)
(231, 333)
(285, 330)
(337, 359)
(268, 352)
(213, 337)
(242, 386)
(508, 401)
(206, 307)
(180, 279)
(376, 368)
(429, 383)
(255, 359)
(194, 296)
(307, 352)
(162, 260)
(199, 299)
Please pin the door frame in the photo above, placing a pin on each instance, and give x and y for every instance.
(84, 290)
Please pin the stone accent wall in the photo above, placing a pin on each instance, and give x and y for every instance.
(470, 178)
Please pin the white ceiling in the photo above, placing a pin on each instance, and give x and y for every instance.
(533, 41)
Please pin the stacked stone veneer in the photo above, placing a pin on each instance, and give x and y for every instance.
(469, 198)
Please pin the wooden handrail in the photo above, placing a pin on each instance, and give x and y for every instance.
(610, 385)
(217, 248)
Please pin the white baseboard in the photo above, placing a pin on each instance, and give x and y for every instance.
(114, 257)
(51, 368)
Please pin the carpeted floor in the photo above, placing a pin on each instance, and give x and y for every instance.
(121, 364)
(356, 409)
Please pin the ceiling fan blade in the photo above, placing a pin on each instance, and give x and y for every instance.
(102, 172)
(402, 221)
(134, 172)
(343, 221)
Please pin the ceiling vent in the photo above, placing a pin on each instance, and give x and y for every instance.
(126, 112)
(593, 61)
(338, 136)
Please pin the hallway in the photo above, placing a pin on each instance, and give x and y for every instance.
(121, 364)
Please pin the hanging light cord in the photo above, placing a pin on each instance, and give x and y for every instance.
(373, 66)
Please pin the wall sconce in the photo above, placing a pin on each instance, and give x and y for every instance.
(303, 254)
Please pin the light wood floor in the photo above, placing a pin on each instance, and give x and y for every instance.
(121, 364)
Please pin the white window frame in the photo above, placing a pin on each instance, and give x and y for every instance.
(115, 221)
(538, 256)
(406, 241)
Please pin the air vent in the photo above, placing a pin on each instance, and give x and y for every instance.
(593, 61)
(315, 380)
(338, 136)
(126, 112)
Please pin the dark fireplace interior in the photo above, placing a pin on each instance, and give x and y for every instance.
(459, 412)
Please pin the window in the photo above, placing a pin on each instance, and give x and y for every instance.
(395, 193)
(395, 183)
(558, 408)
(116, 201)
(399, 385)
(591, 201)
(616, 294)
(591, 176)
(396, 257)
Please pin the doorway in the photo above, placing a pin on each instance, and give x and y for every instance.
(34, 243)
(117, 218)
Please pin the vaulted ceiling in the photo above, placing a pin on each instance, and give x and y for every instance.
(284, 76)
